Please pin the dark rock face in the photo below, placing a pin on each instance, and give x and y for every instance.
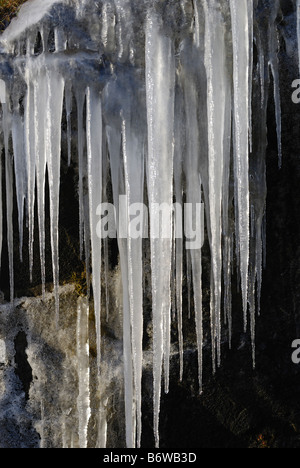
(240, 407)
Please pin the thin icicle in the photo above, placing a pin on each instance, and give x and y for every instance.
(160, 82)
(68, 99)
(133, 148)
(258, 186)
(41, 135)
(54, 117)
(227, 223)
(106, 274)
(130, 408)
(9, 195)
(80, 99)
(192, 167)
(30, 158)
(241, 60)
(94, 150)
(217, 88)
(178, 224)
(114, 145)
(20, 169)
(250, 23)
(259, 264)
(105, 177)
(273, 61)
(189, 281)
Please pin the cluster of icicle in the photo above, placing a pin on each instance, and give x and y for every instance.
(181, 112)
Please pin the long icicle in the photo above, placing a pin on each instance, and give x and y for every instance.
(94, 151)
(215, 56)
(30, 156)
(240, 36)
(9, 194)
(41, 149)
(274, 64)
(54, 115)
(160, 84)
(192, 171)
(133, 148)
(20, 168)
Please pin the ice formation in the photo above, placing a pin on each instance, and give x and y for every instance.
(167, 93)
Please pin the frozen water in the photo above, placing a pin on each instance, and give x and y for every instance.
(30, 14)
(166, 103)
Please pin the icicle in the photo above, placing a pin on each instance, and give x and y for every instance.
(227, 224)
(68, 99)
(130, 409)
(94, 150)
(241, 60)
(173, 271)
(3, 102)
(258, 187)
(9, 194)
(2, 92)
(114, 145)
(87, 241)
(259, 264)
(41, 137)
(160, 82)
(189, 281)
(133, 154)
(217, 89)
(59, 39)
(30, 157)
(227, 286)
(105, 177)
(261, 58)
(54, 116)
(83, 400)
(178, 152)
(28, 16)
(20, 169)
(192, 165)
(106, 275)
(80, 98)
(251, 38)
(273, 62)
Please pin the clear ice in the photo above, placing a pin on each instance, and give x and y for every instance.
(164, 96)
